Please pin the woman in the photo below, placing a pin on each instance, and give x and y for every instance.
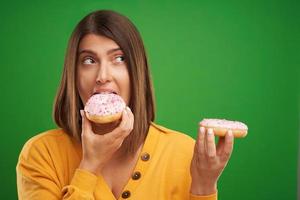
(133, 158)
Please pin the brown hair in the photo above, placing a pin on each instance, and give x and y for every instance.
(67, 105)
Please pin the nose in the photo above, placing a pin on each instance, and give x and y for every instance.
(104, 74)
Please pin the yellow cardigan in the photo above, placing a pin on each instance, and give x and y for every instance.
(47, 169)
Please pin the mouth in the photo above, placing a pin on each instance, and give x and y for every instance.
(105, 92)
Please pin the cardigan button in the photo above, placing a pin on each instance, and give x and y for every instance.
(136, 175)
(126, 194)
(145, 157)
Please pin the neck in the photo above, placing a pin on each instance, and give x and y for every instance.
(119, 155)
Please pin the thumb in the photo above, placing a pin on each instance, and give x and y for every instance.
(86, 124)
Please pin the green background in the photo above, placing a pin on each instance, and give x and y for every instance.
(227, 59)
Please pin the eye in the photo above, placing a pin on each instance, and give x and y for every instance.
(88, 61)
(119, 58)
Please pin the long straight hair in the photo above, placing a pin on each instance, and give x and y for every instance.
(67, 104)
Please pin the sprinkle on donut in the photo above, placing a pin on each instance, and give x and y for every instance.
(104, 104)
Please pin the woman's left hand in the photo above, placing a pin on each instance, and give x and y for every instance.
(209, 161)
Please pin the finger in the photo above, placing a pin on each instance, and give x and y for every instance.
(119, 131)
(124, 126)
(220, 146)
(228, 146)
(126, 129)
(131, 119)
(200, 145)
(128, 123)
(85, 124)
(210, 144)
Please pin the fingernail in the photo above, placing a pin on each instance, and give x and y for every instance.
(202, 130)
(128, 108)
(81, 113)
(210, 131)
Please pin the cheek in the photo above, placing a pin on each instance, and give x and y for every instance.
(85, 87)
(126, 86)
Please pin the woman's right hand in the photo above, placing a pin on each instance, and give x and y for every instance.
(98, 149)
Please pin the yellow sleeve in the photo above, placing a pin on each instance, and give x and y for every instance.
(207, 197)
(37, 178)
(82, 186)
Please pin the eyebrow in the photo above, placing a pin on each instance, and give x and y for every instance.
(94, 53)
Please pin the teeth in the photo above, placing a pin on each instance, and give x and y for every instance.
(105, 93)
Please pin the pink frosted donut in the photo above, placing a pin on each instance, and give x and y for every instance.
(104, 108)
(221, 126)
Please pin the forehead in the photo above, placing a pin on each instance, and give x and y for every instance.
(97, 43)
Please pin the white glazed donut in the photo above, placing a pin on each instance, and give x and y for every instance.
(221, 126)
(104, 108)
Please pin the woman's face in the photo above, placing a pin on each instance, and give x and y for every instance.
(101, 68)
